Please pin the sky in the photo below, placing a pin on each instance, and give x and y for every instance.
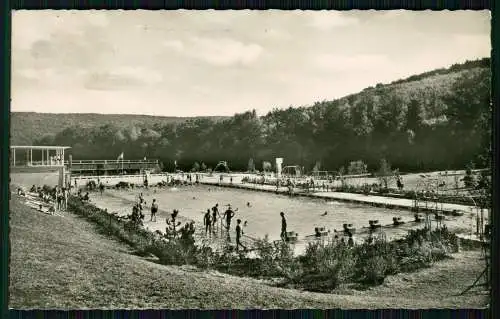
(200, 63)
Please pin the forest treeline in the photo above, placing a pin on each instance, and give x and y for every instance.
(438, 121)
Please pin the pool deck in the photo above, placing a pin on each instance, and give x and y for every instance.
(373, 200)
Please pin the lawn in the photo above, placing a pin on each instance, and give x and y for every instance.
(62, 262)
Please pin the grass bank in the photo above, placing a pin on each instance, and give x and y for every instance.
(324, 267)
(61, 262)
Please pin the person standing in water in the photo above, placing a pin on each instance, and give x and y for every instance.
(350, 242)
(229, 214)
(207, 220)
(154, 210)
(283, 226)
(215, 212)
(239, 233)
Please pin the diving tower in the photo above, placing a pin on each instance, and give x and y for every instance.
(38, 159)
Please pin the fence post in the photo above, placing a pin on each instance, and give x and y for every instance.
(457, 244)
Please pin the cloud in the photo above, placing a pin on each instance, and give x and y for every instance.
(223, 51)
(473, 40)
(327, 20)
(174, 44)
(360, 62)
(121, 78)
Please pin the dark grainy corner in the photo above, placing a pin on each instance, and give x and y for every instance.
(245, 159)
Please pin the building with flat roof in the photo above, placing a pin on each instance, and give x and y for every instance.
(32, 159)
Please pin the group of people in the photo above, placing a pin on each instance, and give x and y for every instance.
(137, 215)
(57, 194)
(211, 217)
(82, 197)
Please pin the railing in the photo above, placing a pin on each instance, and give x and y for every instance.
(104, 177)
(90, 162)
(37, 163)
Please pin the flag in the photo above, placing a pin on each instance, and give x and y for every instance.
(120, 157)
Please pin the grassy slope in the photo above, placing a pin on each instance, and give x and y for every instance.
(61, 262)
(429, 90)
(28, 126)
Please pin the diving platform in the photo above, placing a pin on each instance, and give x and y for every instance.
(37, 156)
(38, 164)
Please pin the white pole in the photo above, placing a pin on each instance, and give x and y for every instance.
(31, 157)
(14, 155)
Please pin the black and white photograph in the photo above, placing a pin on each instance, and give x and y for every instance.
(250, 159)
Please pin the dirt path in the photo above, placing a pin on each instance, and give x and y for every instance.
(62, 262)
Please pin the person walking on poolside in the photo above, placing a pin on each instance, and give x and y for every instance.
(101, 188)
(66, 195)
(229, 214)
(154, 210)
(239, 233)
(283, 226)
(207, 220)
(60, 198)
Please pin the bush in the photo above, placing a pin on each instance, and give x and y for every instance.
(205, 258)
(375, 270)
(325, 266)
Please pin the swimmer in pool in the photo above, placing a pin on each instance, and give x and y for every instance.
(248, 204)
(245, 223)
(324, 214)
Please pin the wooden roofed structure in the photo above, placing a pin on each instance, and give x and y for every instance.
(44, 156)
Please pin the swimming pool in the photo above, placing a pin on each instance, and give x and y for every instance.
(302, 214)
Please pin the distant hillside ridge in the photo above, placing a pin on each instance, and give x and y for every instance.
(429, 89)
(27, 127)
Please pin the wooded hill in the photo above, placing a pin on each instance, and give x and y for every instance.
(27, 127)
(436, 120)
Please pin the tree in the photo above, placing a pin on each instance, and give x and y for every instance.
(469, 179)
(266, 166)
(196, 167)
(203, 167)
(317, 167)
(384, 173)
(251, 165)
(357, 167)
(414, 116)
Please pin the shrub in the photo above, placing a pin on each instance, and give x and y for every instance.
(357, 167)
(375, 270)
(267, 253)
(325, 266)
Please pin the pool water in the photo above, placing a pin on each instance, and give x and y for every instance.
(302, 214)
